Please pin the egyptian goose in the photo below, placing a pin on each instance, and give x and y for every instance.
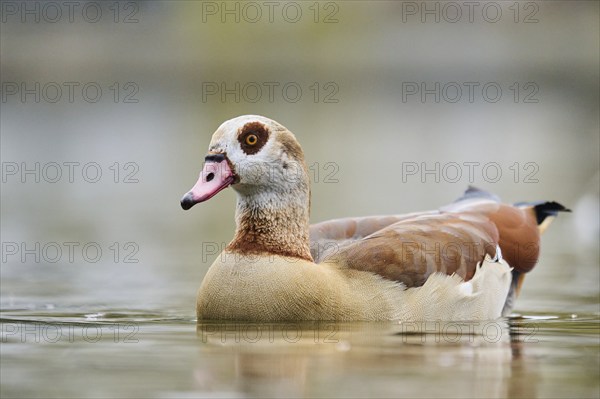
(465, 261)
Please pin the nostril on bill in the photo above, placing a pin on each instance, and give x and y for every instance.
(210, 176)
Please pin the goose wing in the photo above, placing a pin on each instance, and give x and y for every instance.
(453, 240)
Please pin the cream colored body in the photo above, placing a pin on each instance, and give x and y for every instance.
(275, 288)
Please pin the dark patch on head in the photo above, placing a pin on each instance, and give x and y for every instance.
(252, 137)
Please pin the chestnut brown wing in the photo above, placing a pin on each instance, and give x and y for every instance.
(519, 235)
(327, 237)
(409, 248)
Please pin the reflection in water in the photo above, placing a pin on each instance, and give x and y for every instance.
(524, 378)
(475, 359)
(271, 374)
(117, 353)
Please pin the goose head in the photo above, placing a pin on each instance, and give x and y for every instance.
(253, 154)
(264, 163)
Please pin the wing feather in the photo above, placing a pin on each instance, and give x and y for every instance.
(409, 248)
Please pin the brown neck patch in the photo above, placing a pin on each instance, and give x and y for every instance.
(252, 137)
(272, 232)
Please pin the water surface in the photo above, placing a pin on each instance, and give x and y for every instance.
(67, 352)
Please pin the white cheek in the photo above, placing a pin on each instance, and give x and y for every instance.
(253, 169)
(236, 156)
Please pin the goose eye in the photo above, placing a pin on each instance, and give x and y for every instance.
(251, 139)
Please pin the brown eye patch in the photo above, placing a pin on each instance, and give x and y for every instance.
(252, 137)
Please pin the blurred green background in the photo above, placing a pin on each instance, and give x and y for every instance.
(359, 125)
